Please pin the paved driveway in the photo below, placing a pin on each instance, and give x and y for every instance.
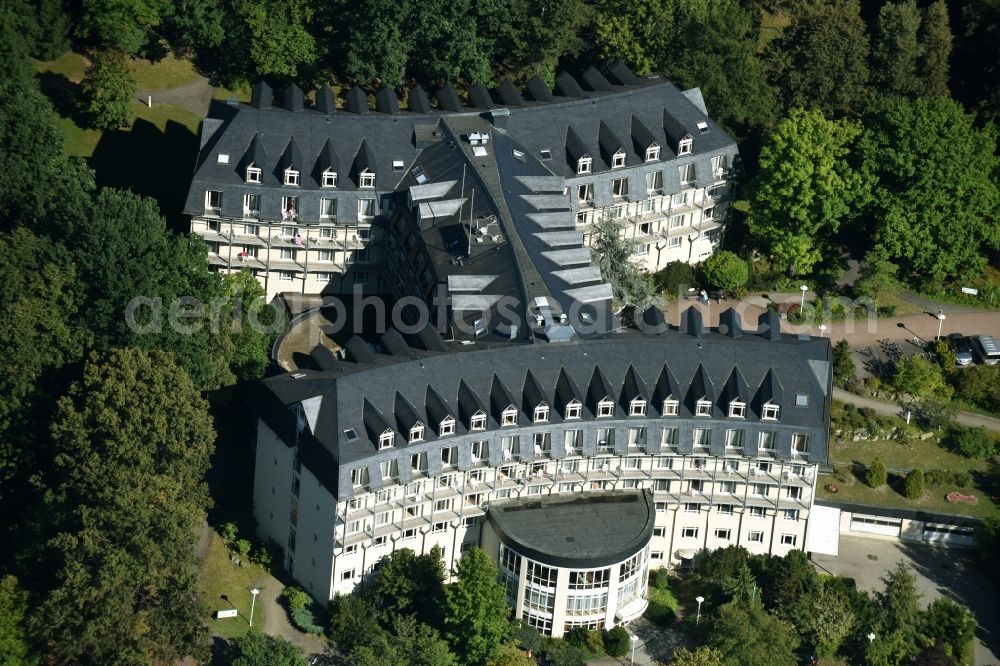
(940, 572)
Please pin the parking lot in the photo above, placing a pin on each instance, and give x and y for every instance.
(940, 571)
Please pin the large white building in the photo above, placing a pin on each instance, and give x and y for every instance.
(302, 196)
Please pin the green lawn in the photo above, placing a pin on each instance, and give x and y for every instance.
(71, 65)
(771, 26)
(164, 74)
(854, 491)
(222, 578)
(901, 454)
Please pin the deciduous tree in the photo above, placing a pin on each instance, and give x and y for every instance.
(807, 187)
(256, 649)
(920, 378)
(747, 634)
(823, 620)
(107, 91)
(125, 25)
(726, 270)
(13, 612)
(701, 656)
(613, 254)
(475, 610)
(951, 624)
(274, 35)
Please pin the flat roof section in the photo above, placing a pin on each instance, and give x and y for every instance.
(577, 532)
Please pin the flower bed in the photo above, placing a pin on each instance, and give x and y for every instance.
(832, 487)
(958, 497)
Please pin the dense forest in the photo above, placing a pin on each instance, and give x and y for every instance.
(864, 130)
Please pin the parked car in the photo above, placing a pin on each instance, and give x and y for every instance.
(960, 346)
(986, 349)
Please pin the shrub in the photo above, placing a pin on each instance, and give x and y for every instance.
(594, 642)
(945, 357)
(980, 386)
(616, 642)
(844, 371)
(726, 270)
(975, 443)
(261, 556)
(527, 637)
(295, 597)
(943, 477)
(568, 655)
(877, 474)
(305, 620)
(913, 485)
(662, 607)
(229, 532)
(674, 278)
(661, 579)
(242, 547)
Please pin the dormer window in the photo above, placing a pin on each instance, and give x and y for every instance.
(386, 440)
(653, 153)
(368, 180)
(478, 421)
(685, 145)
(253, 174)
(770, 412)
(291, 177)
(509, 416)
(618, 159)
(584, 164)
(417, 433)
(541, 414)
(637, 407)
(671, 407)
(737, 409)
(605, 408)
(573, 409)
(703, 408)
(446, 427)
(329, 178)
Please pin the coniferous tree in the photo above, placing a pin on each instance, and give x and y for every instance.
(935, 42)
(897, 50)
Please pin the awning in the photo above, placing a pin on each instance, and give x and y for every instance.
(632, 610)
(687, 553)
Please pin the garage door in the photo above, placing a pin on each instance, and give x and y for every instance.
(876, 525)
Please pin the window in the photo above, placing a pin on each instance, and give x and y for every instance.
(438, 528)
(674, 242)
(368, 180)
(213, 200)
(291, 177)
(386, 439)
(359, 476)
(788, 539)
(253, 174)
(734, 439)
(770, 412)
(728, 487)
(636, 438)
(361, 277)
(327, 232)
(764, 467)
(794, 493)
(716, 192)
(619, 187)
(328, 208)
(288, 253)
(669, 437)
(417, 433)
(573, 440)
(449, 456)
(325, 256)
(480, 451)
(759, 489)
(684, 146)
(329, 178)
(605, 440)
(541, 414)
(478, 421)
(654, 181)
(637, 407)
(418, 464)
(670, 407)
(585, 192)
(718, 165)
(509, 416)
(692, 507)
(251, 205)
(618, 159)
(725, 509)
(285, 276)
(737, 409)
(605, 408)
(387, 469)
(324, 277)
(410, 534)
(366, 209)
(757, 512)
(289, 209)
(723, 534)
(447, 427)
(765, 441)
(755, 536)
(442, 505)
(791, 514)
(686, 173)
(800, 443)
(689, 532)
(573, 409)
(583, 165)
(653, 152)
(542, 443)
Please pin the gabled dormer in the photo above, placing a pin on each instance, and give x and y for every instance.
(408, 419)
(380, 432)
(471, 409)
(440, 412)
(290, 165)
(667, 394)
(387, 439)
(502, 403)
(600, 395)
(252, 164)
(612, 148)
(644, 141)
(536, 400)
(768, 399)
(701, 394)
(679, 138)
(364, 166)
(634, 395)
(328, 166)
(578, 155)
(735, 396)
(569, 398)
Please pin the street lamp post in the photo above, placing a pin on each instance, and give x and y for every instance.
(802, 301)
(822, 330)
(697, 618)
(253, 601)
(940, 317)
(871, 637)
(634, 639)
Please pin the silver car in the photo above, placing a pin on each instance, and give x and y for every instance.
(960, 346)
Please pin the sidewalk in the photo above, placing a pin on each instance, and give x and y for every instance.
(892, 409)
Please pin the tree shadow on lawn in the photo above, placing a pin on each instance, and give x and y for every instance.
(63, 93)
(150, 162)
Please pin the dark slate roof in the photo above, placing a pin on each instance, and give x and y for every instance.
(534, 394)
(407, 415)
(261, 96)
(567, 86)
(438, 409)
(293, 99)
(700, 388)
(500, 398)
(418, 100)
(575, 147)
(469, 403)
(375, 422)
(642, 136)
(622, 75)
(595, 80)
(357, 100)
(479, 97)
(448, 99)
(254, 155)
(730, 323)
(633, 387)
(675, 129)
(364, 160)
(618, 525)
(770, 391)
(692, 323)
(567, 391)
(328, 160)
(291, 158)
(734, 389)
(509, 94)
(386, 101)
(667, 387)
(326, 102)
(599, 389)
(537, 90)
(610, 143)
